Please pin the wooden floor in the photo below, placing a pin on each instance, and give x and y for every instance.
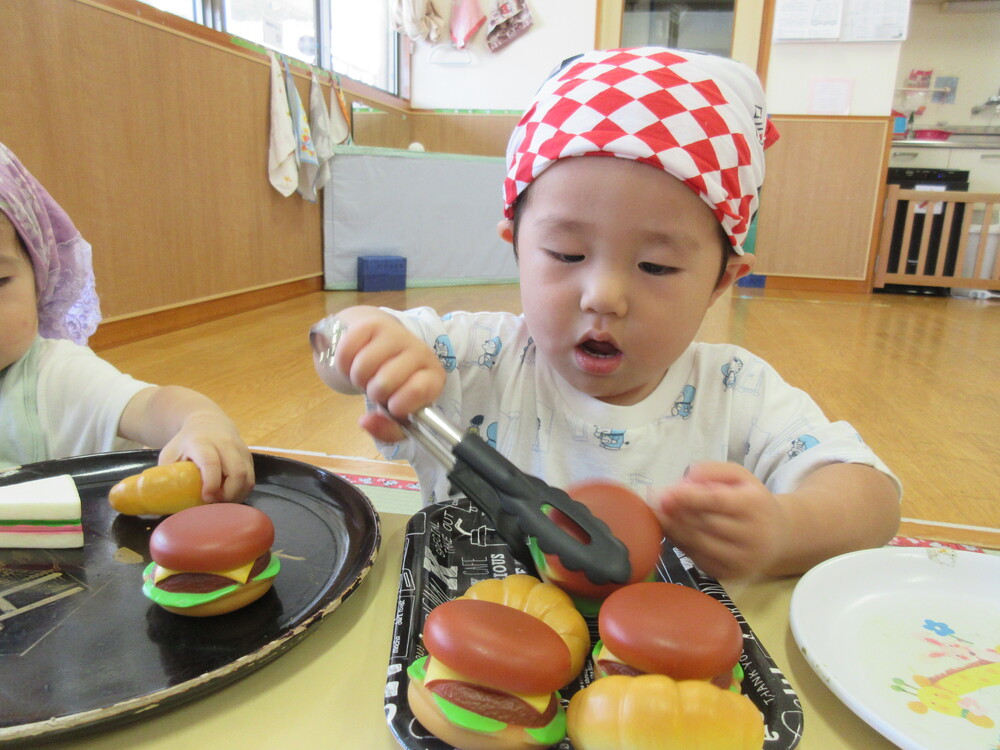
(917, 376)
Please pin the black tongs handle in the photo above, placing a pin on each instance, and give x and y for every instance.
(515, 502)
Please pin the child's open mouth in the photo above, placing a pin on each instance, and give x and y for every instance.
(598, 357)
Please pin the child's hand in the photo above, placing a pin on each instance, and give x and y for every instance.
(723, 518)
(394, 368)
(211, 441)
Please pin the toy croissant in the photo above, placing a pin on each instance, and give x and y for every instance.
(159, 491)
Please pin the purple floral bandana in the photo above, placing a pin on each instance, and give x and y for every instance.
(68, 307)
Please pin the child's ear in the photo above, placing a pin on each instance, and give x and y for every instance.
(737, 267)
(505, 228)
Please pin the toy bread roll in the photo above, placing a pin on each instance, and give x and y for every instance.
(159, 491)
(653, 711)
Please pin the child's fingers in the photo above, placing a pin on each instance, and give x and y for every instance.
(237, 486)
(381, 427)
(169, 454)
(724, 472)
(353, 340)
(421, 389)
(365, 350)
(700, 530)
(211, 477)
(716, 555)
(695, 499)
(401, 379)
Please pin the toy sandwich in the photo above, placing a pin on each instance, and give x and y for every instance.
(41, 513)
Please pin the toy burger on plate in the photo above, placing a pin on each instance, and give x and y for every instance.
(211, 559)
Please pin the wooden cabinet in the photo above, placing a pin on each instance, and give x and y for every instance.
(918, 157)
(983, 165)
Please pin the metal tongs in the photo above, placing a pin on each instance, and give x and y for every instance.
(515, 502)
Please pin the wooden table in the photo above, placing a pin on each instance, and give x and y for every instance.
(327, 691)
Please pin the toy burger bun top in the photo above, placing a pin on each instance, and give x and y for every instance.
(496, 657)
(158, 491)
(548, 603)
(629, 519)
(498, 646)
(211, 559)
(670, 629)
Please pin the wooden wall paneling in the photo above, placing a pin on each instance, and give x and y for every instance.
(819, 205)
(378, 128)
(479, 134)
(156, 144)
(377, 122)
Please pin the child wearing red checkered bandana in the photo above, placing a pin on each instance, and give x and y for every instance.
(632, 181)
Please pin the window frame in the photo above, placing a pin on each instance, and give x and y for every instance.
(399, 53)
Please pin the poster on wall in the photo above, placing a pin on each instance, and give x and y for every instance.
(830, 96)
(841, 20)
(875, 20)
(798, 20)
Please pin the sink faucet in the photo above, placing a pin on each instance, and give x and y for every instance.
(993, 101)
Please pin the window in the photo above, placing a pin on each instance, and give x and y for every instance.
(362, 44)
(287, 26)
(183, 8)
(702, 25)
(350, 37)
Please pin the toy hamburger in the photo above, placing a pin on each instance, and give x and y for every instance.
(495, 661)
(211, 559)
(628, 518)
(669, 629)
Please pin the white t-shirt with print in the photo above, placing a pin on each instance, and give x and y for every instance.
(718, 402)
(62, 400)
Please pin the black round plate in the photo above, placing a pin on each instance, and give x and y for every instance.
(82, 648)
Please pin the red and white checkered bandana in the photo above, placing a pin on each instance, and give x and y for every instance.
(698, 117)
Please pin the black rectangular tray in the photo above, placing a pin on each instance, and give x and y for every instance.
(448, 547)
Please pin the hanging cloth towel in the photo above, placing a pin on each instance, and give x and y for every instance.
(466, 18)
(340, 129)
(417, 19)
(319, 119)
(305, 149)
(282, 168)
(509, 19)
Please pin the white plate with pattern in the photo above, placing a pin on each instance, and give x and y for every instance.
(909, 639)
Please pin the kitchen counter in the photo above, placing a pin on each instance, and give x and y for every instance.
(965, 142)
(976, 153)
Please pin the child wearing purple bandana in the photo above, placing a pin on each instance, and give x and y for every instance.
(58, 398)
(619, 259)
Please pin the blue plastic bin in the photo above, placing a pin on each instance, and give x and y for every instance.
(381, 273)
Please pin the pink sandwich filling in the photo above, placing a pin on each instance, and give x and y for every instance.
(40, 527)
